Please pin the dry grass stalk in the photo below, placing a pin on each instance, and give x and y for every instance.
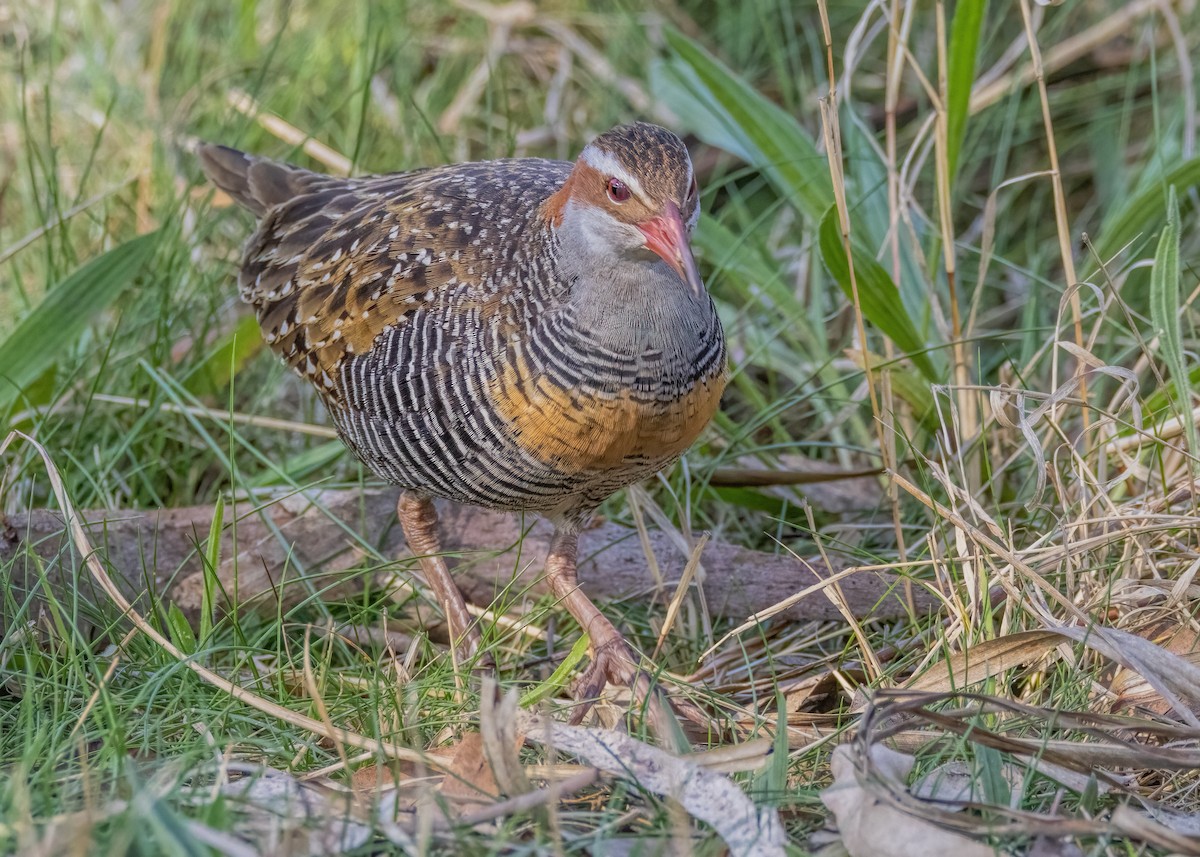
(277, 126)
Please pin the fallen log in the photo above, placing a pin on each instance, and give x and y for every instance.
(281, 551)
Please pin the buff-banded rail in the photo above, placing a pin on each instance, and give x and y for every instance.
(524, 334)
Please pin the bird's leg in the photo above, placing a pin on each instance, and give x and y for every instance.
(418, 519)
(612, 658)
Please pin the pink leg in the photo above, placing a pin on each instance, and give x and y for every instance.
(418, 519)
(613, 660)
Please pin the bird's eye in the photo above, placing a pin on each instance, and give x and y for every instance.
(618, 191)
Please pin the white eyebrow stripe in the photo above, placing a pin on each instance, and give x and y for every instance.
(603, 162)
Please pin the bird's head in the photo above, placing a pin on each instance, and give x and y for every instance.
(633, 194)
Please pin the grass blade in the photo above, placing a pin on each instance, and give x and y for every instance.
(561, 676)
(879, 299)
(66, 310)
(212, 564)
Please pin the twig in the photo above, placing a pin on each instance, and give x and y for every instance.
(276, 125)
(550, 794)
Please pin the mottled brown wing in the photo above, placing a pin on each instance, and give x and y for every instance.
(329, 270)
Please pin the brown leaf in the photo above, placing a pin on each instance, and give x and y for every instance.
(985, 660)
(470, 777)
(1134, 691)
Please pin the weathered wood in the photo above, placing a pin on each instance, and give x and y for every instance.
(288, 548)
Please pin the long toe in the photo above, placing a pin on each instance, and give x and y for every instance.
(615, 663)
(484, 666)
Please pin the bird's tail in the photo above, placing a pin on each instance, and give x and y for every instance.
(256, 183)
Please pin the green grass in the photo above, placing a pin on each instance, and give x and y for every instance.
(1023, 505)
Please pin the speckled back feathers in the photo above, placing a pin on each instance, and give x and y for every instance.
(341, 260)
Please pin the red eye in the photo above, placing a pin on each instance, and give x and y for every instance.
(617, 190)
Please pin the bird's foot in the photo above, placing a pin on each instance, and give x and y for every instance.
(615, 662)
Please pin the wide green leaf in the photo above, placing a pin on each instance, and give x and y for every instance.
(871, 220)
(878, 297)
(1143, 210)
(56, 322)
(960, 74)
(1166, 310)
(726, 112)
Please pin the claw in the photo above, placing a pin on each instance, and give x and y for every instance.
(613, 662)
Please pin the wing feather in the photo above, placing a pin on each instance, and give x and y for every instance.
(339, 261)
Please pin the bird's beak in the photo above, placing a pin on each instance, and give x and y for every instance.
(667, 237)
